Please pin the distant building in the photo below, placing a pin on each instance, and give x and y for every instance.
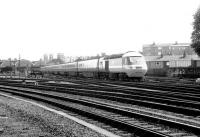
(55, 62)
(61, 56)
(167, 49)
(50, 57)
(46, 58)
(68, 59)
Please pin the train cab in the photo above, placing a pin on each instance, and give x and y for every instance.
(134, 64)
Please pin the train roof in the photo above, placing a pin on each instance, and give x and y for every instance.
(114, 56)
(129, 53)
(58, 65)
(132, 53)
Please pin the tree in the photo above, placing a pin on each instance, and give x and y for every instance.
(103, 54)
(6, 69)
(196, 33)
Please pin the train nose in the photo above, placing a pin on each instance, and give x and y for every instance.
(137, 73)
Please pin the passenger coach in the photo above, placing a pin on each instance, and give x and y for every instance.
(130, 65)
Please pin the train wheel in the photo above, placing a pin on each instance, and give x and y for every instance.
(122, 76)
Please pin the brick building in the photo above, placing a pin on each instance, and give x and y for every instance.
(167, 49)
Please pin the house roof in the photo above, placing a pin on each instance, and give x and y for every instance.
(166, 44)
(5, 63)
(172, 57)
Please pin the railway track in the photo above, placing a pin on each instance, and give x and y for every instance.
(120, 120)
(187, 104)
(158, 84)
(170, 85)
(187, 81)
(176, 90)
(150, 85)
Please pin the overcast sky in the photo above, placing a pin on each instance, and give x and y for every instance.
(32, 28)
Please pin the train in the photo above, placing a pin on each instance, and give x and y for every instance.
(129, 65)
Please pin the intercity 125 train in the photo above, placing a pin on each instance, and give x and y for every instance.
(129, 65)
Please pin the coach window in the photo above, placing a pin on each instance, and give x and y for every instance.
(123, 61)
(127, 61)
(101, 65)
(136, 60)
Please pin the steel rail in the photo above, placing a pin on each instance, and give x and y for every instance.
(120, 124)
(187, 127)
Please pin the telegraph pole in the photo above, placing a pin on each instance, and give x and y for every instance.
(19, 66)
(10, 67)
(15, 60)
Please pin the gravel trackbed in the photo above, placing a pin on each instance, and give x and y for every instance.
(22, 119)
